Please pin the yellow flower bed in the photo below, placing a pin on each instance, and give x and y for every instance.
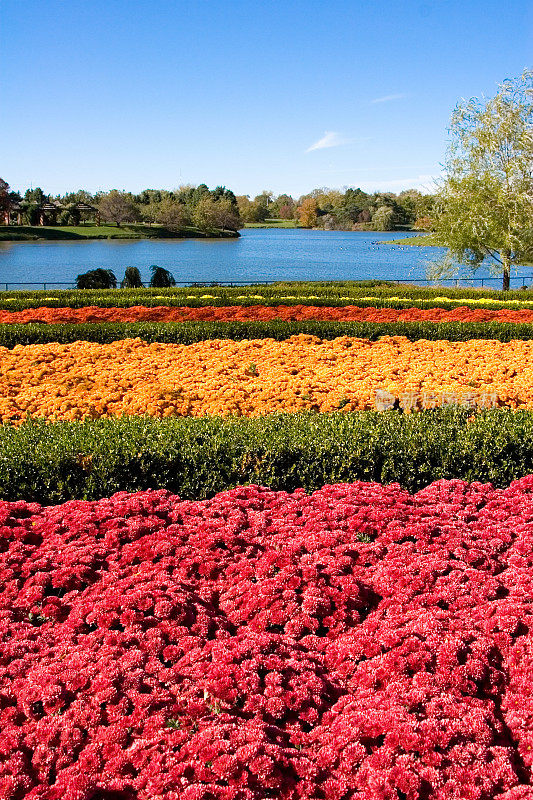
(462, 301)
(252, 377)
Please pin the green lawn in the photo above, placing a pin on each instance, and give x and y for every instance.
(424, 240)
(273, 223)
(21, 233)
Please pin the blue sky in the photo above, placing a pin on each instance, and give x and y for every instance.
(286, 96)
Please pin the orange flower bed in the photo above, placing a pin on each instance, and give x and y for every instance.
(252, 377)
(236, 313)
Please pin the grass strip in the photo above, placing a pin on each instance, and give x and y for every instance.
(190, 332)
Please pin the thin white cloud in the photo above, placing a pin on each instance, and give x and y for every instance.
(388, 97)
(425, 183)
(330, 139)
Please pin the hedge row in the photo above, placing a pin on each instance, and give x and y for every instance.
(195, 458)
(319, 293)
(189, 332)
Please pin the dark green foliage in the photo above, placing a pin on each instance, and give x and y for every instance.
(196, 458)
(161, 278)
(189, 332)
(132, 279)
(97, 279)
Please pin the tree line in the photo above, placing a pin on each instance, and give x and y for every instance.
(219, 208)
(348, 209)
(196, 206)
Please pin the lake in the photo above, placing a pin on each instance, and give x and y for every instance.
(258, 255)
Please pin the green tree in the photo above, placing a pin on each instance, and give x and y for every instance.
(35, 196)
(247, 209)
(407, 202)
(132, 279)
(149, 212)
(252, 210)
(221, 193)
(96, 279)
(384, 218)
(161, 278)
(210, 214)
(424, 205)
(199, 193)
(148, 196)
(204, 214)
(81, 196)
(5, 201)
(485, 205)
(354, 202)
(283, 207)
(262, 203)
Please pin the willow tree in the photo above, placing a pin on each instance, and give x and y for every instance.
(484, 207)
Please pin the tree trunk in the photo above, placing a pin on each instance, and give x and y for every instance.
(506, 264)
(506, 280)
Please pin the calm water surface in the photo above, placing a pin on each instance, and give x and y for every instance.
(259, 254)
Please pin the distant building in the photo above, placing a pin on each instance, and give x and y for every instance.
(48, 213)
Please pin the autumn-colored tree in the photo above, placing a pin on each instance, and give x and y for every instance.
(227, 215)
(118, 207)
(172, 213)
(283, 207)
(256, 210)
(286, 211)
(423, 224)
(307, 212)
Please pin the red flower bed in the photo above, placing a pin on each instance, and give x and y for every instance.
(356, 644)
(237, 313)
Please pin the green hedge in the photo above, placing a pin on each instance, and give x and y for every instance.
(189, 332)
(332, 293)
(51, 463)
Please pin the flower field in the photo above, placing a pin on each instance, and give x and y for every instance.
(359, 642)
(211, 313)
(250, 377)
(354, 623)
(312, 294)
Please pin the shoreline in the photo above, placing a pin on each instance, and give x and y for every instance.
(421, 240)
(28, 233)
